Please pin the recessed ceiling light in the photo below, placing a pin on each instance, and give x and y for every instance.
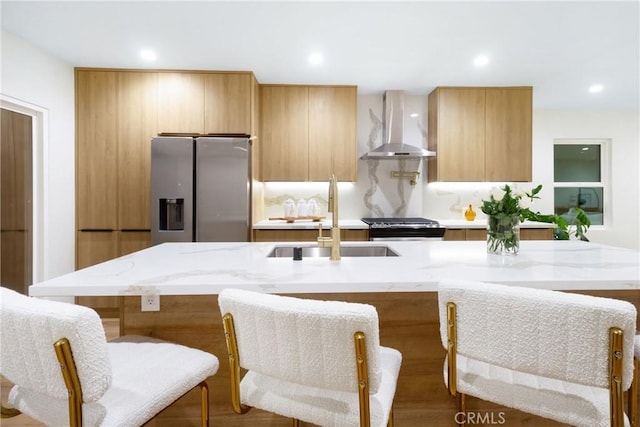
(316, 58)
(414, 115)
(148, 55)
(481, 61)
(595, 88)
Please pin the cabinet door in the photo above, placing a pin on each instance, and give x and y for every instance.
(93, 248)
(286, 235)
(227, 103)
(455, 234)
(137, 124)
(181, 102)
(332, 133)
(284, 124)
(508, 146)
(536, 234)
(132, 241)
(460, 133)
(96, 150)
(476, 234)
(353, 235)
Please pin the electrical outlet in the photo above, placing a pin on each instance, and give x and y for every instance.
(150, 302)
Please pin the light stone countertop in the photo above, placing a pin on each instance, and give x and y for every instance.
(308, 224)
(207, 268)
(357, 224)
(482, 223)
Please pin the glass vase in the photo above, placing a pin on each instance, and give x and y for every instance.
(503, 234)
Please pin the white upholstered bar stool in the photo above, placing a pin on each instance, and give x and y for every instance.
(65, 373)
(633, 392)
(562, 356)
(314, 361)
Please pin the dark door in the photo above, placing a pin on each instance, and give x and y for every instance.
(16, 209)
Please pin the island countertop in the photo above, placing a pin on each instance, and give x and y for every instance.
(207, 268)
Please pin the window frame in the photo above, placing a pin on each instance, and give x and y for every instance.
(605, 174)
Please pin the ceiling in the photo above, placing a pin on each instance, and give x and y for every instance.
(559, 48)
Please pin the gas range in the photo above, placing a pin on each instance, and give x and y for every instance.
(404, 228)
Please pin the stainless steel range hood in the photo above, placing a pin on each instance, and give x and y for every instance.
(394, 147)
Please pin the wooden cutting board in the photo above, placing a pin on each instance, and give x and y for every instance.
(297, 218)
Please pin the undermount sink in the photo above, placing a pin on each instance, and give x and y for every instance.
(345, 251)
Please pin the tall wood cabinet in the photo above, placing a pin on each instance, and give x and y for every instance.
(308, 132)
(480, 134)
(228, 103)
(137, 122)
(117, 114)
(181, 102)
(96, 150)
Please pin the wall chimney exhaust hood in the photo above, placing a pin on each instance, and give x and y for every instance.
(394, 147)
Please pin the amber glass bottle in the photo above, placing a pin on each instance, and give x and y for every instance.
(470, 214)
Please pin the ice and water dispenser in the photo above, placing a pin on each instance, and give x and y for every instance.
(171, 214)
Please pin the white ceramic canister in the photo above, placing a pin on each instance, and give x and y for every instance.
(312, 208)
(302, 208)
(289, 209)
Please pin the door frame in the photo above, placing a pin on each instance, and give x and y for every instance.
(40, 168)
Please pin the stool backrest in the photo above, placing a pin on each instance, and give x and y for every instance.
(29, 329)
(548, 333)
(309, 342)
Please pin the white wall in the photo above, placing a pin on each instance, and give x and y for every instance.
(31, 76)
(622, 127)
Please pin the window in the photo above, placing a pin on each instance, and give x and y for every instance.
(579, 175)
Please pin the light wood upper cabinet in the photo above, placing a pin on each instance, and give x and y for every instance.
(284, 133)
(508, 134)
(456, 133)
(308, 132)
(96, 150)
(181, 102)
(228, 102)
(332, 133)
(480, 134)
(137, 124)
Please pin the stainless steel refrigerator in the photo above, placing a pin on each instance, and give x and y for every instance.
(200, 189)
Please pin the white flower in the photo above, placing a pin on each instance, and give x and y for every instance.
(497, 193)
(518, 194)
(525, 202)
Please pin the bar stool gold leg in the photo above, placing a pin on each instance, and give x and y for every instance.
(633, 395)
(462, 409)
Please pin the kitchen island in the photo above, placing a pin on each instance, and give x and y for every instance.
(188, 276)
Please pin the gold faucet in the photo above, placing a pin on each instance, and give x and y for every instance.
(334, 240)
